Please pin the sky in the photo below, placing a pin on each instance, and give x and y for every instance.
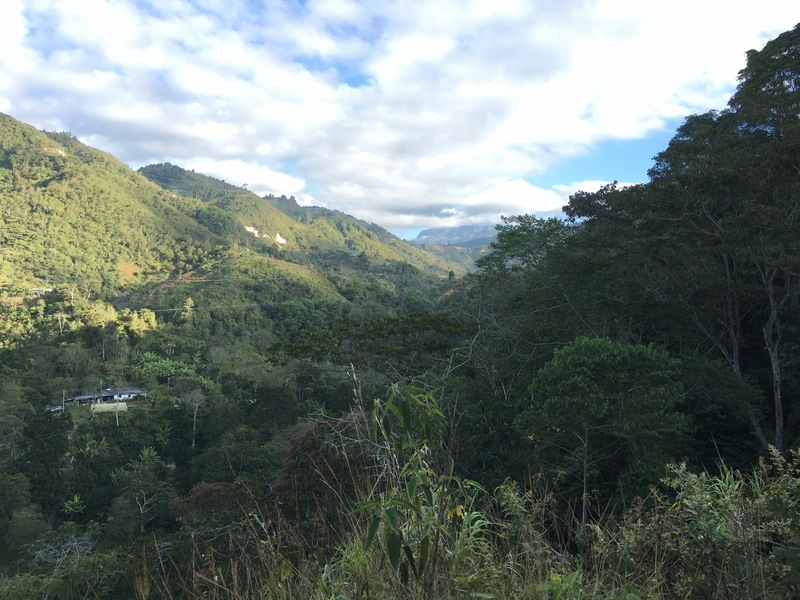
(407, 113)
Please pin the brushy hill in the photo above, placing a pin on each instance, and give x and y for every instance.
(71, 213)
(305, 234)
(228, 210)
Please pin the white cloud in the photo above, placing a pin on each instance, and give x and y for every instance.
(406, 114)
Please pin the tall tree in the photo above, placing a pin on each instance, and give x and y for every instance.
(718, 228)
(767, 106)
(603, 414)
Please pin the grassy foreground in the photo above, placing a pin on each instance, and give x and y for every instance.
(369, 508)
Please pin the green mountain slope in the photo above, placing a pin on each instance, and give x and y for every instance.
(309, 235)
(228, 210)
(464, 257)
(337, 227)
(70, 213)
(74, 217)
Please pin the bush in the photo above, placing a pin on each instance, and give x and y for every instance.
(726, 536)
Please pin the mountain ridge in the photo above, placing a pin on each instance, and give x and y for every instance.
(302, 232)
(70, 213)
(465, 236)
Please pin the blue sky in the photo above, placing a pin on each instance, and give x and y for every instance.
(407, 114)
(616, 160)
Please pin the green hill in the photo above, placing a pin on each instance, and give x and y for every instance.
(75, 218)
(307, 235)
(71, 213)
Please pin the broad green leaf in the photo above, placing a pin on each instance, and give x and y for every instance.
(404, 503)
(424, 550)
(373, 529)
(393, 544)
(366, 506)
(410, 559)
(391, 516)
(405, 409)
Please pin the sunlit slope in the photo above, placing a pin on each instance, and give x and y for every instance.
(314, 235)
(71, 213)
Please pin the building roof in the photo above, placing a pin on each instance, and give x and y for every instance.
(135, 391)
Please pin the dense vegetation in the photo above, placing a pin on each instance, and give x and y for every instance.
(605, 408)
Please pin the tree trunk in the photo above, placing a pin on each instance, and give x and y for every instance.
(194, 423)
(585, 496)
(773, 333)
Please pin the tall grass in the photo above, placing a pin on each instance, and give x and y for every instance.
(387, 518)
(382, 516)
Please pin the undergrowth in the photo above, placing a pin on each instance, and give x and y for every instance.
(374, 510)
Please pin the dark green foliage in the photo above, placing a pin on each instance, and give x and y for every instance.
(211, 507)
(325, 468)
(144, 488)
(414, 344)
(718, 405)
(603, 419)
(42, 451)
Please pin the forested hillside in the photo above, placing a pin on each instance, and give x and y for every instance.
(71, 213)
(327, 238)
(604, 408)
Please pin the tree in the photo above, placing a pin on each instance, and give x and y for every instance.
(151, 366)
(603, 415)
(42, 453)
(13, 399)
(88, 475)
(767, 106)
(736, 181)
(195, 401)
(524, 242)
(25, 527)
(767, 98)
(710, 243)
(515, 311)
(146, 488)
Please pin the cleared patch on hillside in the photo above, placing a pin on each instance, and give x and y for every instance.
(130, 271)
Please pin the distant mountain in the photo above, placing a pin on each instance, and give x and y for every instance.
(465, 236)
(461, 245)
(307, 235)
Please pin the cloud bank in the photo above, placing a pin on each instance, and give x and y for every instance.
(407, 114)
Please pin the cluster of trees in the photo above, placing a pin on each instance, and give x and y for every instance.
(699, 265)
(331, 420)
